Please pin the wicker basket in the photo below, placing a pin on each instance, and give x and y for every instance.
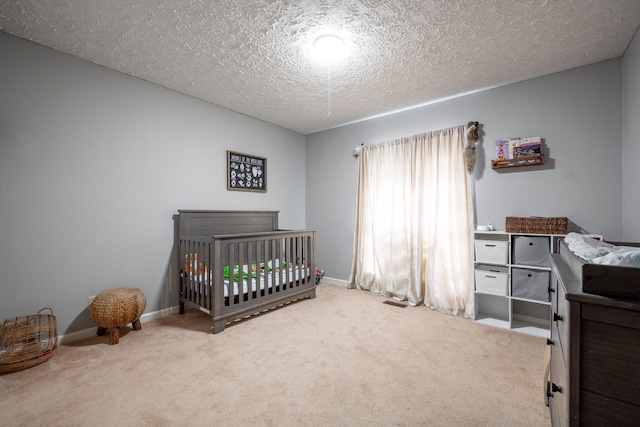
(535, 225)
(27, 341)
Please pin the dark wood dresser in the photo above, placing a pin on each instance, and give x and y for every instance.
(595, 355)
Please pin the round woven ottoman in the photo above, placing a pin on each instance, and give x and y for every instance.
(117, 307)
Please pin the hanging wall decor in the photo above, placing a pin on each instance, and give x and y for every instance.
(246, 172)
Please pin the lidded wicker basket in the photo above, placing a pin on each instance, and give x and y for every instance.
(537, 225)
(27, 341)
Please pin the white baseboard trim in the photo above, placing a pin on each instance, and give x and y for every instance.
(161, 313)
(334, 281)
(89, 332)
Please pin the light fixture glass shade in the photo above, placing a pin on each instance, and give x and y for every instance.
(329, 48)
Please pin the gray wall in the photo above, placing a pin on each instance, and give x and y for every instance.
(631, 140)
(93, 166)
(577, 112)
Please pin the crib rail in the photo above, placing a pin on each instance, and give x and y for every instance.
(195, 256)
(237, 274)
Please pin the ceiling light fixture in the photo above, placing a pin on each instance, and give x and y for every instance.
(329, 48)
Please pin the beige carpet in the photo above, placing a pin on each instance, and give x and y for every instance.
(342, 359)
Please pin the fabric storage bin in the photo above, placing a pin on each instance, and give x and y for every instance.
(491, 251)
(492, 279)
(530, 284)
(531, 250)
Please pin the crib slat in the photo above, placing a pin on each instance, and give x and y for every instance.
(242, 295)
(233, 257)
(250, 263)
(196, 272)
(208, 277)
(268, 255)
(299, 260)
(256, 254)
(227, 263)
(217, 283)
(275, 268)
(303, 261)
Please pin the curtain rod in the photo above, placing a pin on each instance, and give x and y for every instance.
(472, 136)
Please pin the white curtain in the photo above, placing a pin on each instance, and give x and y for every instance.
(414, 221)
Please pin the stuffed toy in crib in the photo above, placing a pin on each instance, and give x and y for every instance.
(192, 266)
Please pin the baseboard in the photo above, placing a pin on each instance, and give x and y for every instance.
(90, 332)
(334, 281)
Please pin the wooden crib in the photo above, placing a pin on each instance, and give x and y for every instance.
(238, 263)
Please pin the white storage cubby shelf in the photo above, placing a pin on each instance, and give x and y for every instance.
(512, 279)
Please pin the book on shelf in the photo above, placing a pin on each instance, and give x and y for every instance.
(514, 148)
(526, 150)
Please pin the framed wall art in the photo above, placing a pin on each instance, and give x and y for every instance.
(246, 172)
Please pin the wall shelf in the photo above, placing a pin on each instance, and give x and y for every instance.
(522, 161)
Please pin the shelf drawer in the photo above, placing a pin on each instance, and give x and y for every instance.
(492, 279)
(530, 284)
(531, 250)
(492, 251)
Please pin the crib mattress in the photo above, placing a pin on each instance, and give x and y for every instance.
(266, 280)
(257, 281)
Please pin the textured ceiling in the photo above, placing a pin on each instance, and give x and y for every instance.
(253, 56)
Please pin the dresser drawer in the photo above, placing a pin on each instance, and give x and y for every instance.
(553, 293)
(611, 332)
(560, 319)
(610, 353)
(558, 387)
(597, 410)
(610, 377)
